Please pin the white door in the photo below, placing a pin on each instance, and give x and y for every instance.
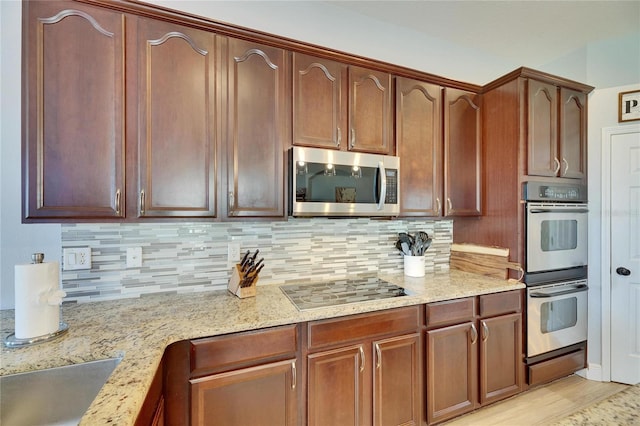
(625, 257)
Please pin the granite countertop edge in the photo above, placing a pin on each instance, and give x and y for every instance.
(139, 330)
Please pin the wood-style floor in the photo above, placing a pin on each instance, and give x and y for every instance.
(542, 405)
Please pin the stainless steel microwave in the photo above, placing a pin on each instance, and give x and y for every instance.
(325, 182)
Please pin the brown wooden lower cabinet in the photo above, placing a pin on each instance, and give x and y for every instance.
(366, 369)
(336, 384)
(261, 395)
(474, 353)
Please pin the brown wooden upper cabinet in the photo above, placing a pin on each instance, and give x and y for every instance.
(419, 144)
(73, 111)
(84, 140)
(256, 134)
(557, 131)
(462, 153)
(176, 106)
(341, 107)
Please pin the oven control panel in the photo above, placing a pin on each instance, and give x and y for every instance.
(555, 191)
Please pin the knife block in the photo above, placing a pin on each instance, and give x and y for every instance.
(234, 284)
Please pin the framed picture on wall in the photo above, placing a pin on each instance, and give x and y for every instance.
(629, 106)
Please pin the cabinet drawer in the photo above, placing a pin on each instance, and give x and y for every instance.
(223, 353)
(339, 331)
(450, 311)
(555, 368)
(500, 303)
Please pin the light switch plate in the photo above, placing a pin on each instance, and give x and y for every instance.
(233, 253)
(76, 258)
(134, 257)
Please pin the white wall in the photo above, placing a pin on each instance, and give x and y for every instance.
(17, 241)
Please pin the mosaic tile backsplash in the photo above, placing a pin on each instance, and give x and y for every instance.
(192, 257)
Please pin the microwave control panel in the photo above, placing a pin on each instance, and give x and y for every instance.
(392, 187)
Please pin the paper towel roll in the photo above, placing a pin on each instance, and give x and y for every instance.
(38, 298)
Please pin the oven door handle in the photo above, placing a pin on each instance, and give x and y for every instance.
(559, 211)
(578, 289)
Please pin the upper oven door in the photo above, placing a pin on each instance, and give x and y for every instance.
(556, 236)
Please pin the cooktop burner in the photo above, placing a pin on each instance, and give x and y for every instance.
(340, 292)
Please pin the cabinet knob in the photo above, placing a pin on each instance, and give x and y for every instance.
(557, 163)
(353, 137)
(566, 166)
(338, 137)
(361, 359)
(485, 331)
(231, 203)
(439, 206)
(378, 356)
(294, 375)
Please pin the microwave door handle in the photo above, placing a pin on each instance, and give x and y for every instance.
(559, 211)
(578, 289)
(383, 185)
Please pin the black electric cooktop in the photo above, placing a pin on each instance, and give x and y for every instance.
(340, 292)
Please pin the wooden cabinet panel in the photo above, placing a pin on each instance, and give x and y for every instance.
(452, 375)
(73, 127)
(222, 353)
(500, 303)
(450, 312)
(319, 102)
(263, 395)
(370, 119)
(336, 384)
(542, 133)
(555, 368)
(176, 117)
(573, 134)
(256, 135)
(501, 364)
(419, 146)
(462, 153)
(397, 381)
(338, 331)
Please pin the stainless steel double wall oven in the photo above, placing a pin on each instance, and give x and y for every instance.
(555, 266)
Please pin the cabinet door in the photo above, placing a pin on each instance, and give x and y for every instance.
(542, 129)
(176, 138)
(462, 153)
(256, 135)
(501, 356)
(419, 145)
(319, 102)
(263, 395)
(452, 373)
(397, 387)
(573, 134)
(73, 128)
(336, 391)
(370, 119)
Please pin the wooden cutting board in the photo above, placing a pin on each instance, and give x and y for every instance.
(484, 260)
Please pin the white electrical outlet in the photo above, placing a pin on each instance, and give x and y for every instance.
(76, 258)
(134, 257)
(233, 253)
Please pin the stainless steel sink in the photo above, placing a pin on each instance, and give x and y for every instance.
(55, 396)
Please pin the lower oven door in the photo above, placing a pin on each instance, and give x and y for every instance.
(556, 316)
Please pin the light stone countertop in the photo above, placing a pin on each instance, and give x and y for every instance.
(139, 330)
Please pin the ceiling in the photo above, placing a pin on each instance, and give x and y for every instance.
(535, 31)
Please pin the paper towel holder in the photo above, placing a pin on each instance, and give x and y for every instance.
(11, 341)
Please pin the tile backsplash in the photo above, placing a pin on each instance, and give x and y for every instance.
(192, 257)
